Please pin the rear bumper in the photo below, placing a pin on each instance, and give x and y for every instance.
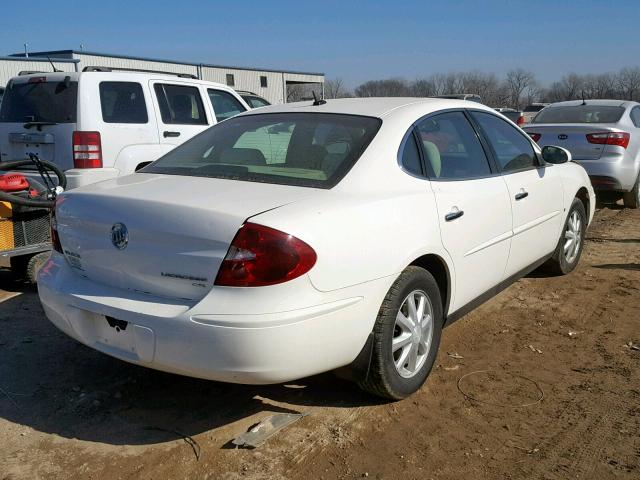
(606, 175)
(194, 340)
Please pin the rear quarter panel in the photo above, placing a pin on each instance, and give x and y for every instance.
(362, 237)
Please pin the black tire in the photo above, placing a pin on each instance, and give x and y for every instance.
(632, 198)
(383, 378)
(34, 264)
(558, 264)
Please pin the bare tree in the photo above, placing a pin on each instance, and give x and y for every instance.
(334, 88)
(517, 82)
(393, 87)
(629, 83)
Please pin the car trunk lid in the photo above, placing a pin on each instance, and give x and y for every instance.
(163, 235)
(573, 137)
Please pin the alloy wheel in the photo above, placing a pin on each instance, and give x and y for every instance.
(572, 237)
(412, 334)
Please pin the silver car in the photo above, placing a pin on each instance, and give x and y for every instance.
(602, 135)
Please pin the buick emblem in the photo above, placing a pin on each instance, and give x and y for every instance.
(119, 236)
(562, 136)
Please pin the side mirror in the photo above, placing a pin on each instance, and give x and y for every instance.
(552, 154)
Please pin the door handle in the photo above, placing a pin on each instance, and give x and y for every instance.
(522, 194)
(455, 213)
(170, 134)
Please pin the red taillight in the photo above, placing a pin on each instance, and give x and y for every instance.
(260, 256)
(520, 120)
(619, 139)
(87, 150)
(534, 136)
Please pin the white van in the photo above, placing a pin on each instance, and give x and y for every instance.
(102, 123)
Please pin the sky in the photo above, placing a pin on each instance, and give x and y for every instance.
(353, 40)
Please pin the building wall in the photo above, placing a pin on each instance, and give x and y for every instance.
(9, 67)
(249, 80)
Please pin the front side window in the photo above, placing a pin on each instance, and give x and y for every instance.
(122, 102)
(451, 147)
(180, 104)
(512, 149)
(224, 104)
(39, 100)
(301, 149)
(254, 101)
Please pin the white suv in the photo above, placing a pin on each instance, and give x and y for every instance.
(101, 123)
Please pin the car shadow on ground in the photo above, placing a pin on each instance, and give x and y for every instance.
(619, 266)
(54, 384)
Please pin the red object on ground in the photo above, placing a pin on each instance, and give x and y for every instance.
(13, 182)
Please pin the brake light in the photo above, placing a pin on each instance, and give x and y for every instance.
(87, 150)
(535, 136)
(13, 182)
(520, 120)
(260, 256)
(619, 139)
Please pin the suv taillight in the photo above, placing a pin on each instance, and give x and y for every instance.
(260, 256)
(87, 150)
(620, 139)
(520, 120)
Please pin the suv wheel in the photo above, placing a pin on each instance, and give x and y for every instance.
(406, 336)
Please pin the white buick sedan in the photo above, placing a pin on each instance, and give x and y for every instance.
(301, 238)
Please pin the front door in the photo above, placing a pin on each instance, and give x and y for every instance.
(472, 202)
(535, 192)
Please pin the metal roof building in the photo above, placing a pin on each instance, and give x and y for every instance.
(274, 85)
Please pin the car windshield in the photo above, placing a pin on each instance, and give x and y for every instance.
(40, 101)
(301, 149)
(580, 114)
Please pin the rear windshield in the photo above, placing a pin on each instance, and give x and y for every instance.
(40, 101)
(302, 149)
(580, 114)
(534, 108)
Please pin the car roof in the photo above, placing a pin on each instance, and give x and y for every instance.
(379, 107)
(605, 102)
(115, 74)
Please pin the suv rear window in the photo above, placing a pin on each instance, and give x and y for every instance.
(580, 114)
(38, 100)
(301, 149)
(122, 102)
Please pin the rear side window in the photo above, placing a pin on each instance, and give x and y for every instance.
(512, 149)
(411, 156)
(122, 102)
(580, 114)
(180, 104)
(224, 104)
(451, 147)
(301, 149)
(39, 100)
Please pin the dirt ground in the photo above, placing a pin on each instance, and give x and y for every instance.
(551, 389)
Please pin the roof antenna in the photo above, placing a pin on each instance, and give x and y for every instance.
(584, 102)
(317, 102)
(52, 65)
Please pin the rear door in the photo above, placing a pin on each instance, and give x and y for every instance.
(535, 192)
(180, 111)
(472, 202)
(38, 115)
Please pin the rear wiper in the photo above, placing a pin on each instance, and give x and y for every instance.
(38, 124)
